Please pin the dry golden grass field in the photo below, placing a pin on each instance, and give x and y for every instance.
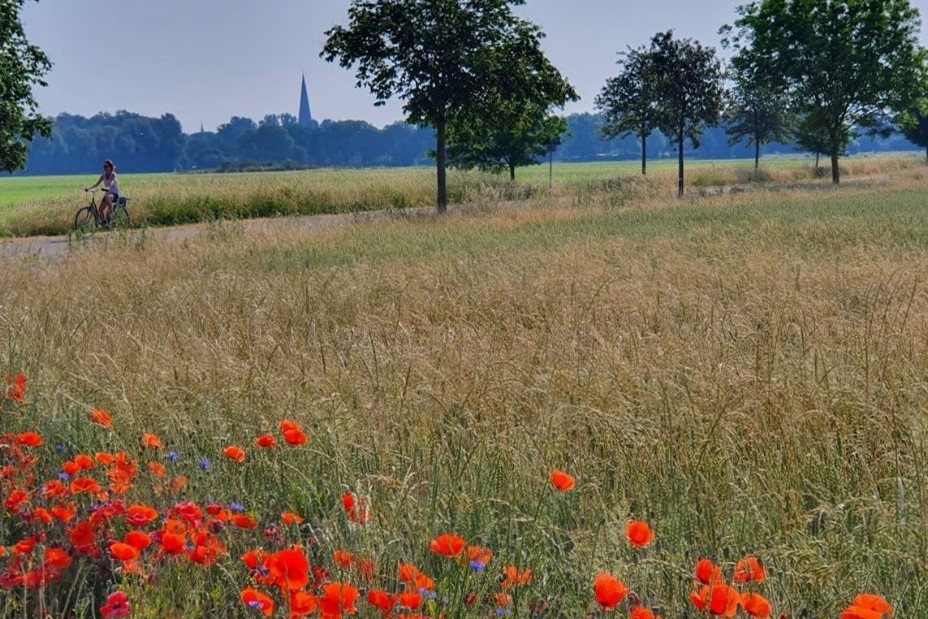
(747, 373)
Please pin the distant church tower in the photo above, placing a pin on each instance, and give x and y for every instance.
(305, 119)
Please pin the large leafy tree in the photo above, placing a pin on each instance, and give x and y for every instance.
(442, 58)
(629, 100)
(844, 63)
(22, 67)
(688, 91)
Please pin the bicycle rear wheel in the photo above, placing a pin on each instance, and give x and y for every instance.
(84, 221)
(121, 219)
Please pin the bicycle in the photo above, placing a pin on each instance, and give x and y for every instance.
(88, 218)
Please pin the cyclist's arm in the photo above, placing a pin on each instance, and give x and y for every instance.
(99, 180)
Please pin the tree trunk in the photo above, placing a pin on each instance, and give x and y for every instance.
(512, 172)
(835, 170)
(441, 161)
(644, 155)
(680, 183)
(816, 159)
(756, 155)
(926, 154)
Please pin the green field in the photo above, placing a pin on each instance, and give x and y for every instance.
(46, 205)
(744, 372)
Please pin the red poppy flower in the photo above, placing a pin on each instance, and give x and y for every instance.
(749, 569)
(515, 578)
(409, 599)
(117, 606)
(718, 599)
(29, 439)
(140, 515)
(244, 521)
(756, 605)
(84, 462)
(254, 558)
(868, 606)
(57, 559)
(873, 602)
(357, 509)
(302, 604)
(379, 598)
(338, 598)
(289, 568)
(179, 484)
(609, 591)
(266, 441)
(101, 417)
(502, 600)
(448, 544)
(291, 519)
(82, 535)
(562, 481)
(342, 558)
(157, 469)
(42, 515)
(138, 539)
(16, 388)
(233, 452)
(123, 552)
(105, 459)
(173, 543)
(640, 612)
(252, 598)
(293, 433)
(708, 572)
(85, 484)
(63, 514)
(151, 441)
(479, 556)
(408, 572)
(639, 534)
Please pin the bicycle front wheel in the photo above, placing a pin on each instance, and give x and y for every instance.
(121, 219)
(84, 221)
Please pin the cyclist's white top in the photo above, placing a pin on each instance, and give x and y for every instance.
(112, 185)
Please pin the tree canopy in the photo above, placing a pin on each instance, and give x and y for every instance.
(688, 91)
(629, 102)
(443, 58)
(22, 67)
(757, 114)
(844, 63)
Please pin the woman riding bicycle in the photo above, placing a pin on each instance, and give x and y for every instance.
(111, 185)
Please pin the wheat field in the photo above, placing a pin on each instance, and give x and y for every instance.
(745, 372)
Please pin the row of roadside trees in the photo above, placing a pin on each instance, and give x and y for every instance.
(817, 69)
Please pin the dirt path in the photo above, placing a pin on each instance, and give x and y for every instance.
(55, 247)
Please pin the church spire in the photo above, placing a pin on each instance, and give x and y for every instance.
(305, 119)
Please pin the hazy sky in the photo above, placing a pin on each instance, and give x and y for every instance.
(207, 60)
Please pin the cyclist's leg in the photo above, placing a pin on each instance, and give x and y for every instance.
(106, 207)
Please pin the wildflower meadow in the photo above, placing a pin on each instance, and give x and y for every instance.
(567, 408)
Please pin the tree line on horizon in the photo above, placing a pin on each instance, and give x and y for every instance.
(819, 74)
(141, 144)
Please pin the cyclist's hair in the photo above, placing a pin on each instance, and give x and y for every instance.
(109, 162)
